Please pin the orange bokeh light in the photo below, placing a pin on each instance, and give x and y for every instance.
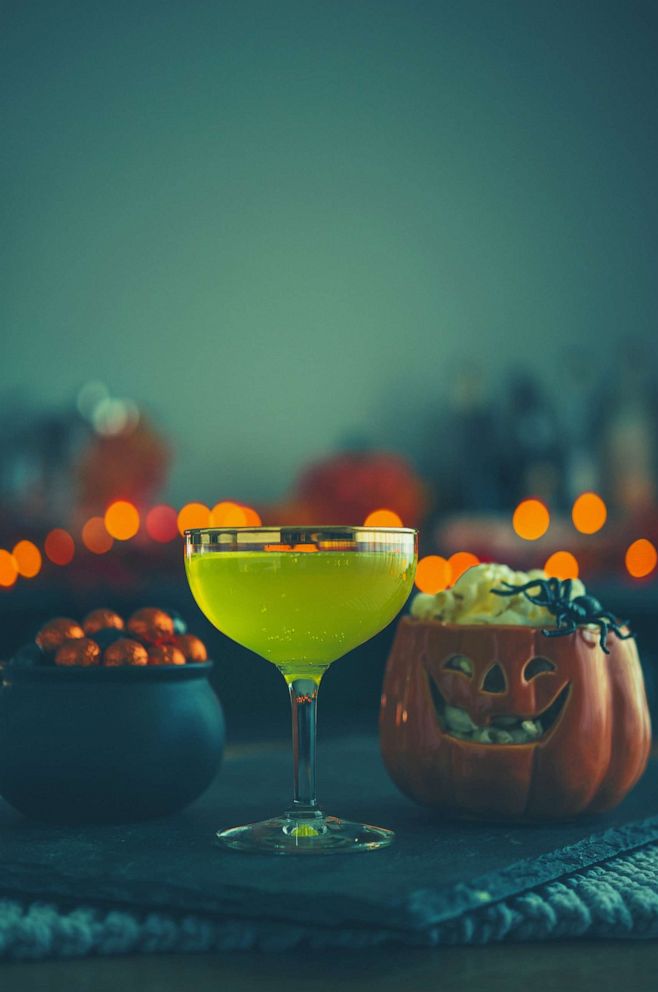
(562, 565)
(253, 518)
(59, 546)
(589, 513)
(8, 569)
(531, 519)
(193, 515)
(383, 518)
(28, 559)
(95, 536)
(161, 523)
(460, 562)
(122, 520)
(641, 558)
(228, 514)
(433, 574)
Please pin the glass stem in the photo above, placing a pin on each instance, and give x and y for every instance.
(304, 704)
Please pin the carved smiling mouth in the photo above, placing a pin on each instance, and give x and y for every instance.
(512, 729)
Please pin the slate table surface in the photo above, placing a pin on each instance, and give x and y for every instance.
(436, 869)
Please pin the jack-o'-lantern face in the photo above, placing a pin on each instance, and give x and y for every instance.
(498, 693)
(503, 721)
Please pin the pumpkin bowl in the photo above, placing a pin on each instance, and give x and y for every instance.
(107, 745)
(586, 711)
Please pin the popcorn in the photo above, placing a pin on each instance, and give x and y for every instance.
(471, 600)
(502, 730)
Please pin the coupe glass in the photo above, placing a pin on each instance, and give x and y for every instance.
(301, 597)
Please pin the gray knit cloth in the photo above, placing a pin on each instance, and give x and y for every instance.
(617, 899)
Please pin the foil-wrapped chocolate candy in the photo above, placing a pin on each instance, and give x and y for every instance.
(193, 648)
(81, 651)
(125, 651)
(165, 654)
(151, 625)
(53, 634)
(100, 620)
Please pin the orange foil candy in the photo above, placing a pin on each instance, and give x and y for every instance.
(53, 634)
(100, 619)
(125, 652)
(165, 654)
(78, 651)
(191, 646)
(151, 625)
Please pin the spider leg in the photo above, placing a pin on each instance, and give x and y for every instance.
(566, 589)
(554, 586)
(512, 590)
(558, 631)
(542, 598)
(604, 627)
(563, 616)
(615, 624)
(533, 584)
(620, 633)
(538, 600)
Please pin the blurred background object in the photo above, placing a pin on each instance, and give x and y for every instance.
(334, 263)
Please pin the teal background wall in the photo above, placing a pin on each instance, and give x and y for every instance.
(278, 223)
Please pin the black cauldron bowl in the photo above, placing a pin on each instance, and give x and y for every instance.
(107, 745)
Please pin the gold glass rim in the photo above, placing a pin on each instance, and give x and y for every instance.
(308, 528)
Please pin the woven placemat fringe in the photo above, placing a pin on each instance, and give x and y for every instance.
(616, 900)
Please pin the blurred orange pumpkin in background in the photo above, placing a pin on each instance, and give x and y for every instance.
(345, 488)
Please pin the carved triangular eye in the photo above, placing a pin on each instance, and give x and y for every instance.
(460, 663)
(537, 666)
(494, 680)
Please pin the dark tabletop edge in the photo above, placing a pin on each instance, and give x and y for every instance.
(428, 907)
(415, 911)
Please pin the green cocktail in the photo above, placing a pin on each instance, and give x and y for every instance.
(301, 598)
(300, 610)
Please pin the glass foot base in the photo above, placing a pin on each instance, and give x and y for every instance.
(317, 835)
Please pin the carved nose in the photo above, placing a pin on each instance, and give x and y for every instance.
(494, 680)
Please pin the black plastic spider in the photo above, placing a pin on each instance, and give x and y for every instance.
(555, 596)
